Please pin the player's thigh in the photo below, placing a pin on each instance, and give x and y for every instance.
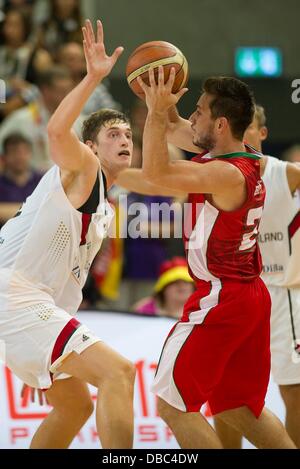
(96, 364)
(291, 395)
(70, 395)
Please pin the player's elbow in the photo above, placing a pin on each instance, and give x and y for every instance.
(54, 131)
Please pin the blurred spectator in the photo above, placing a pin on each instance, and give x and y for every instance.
(71, 55)
(292, 154)
(19, 57)
(32, 120)
(17, 180)
(20, 61)
(63, 24)
(172, 289)
(25, 5)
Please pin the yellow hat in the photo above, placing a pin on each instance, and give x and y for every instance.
(171, 275)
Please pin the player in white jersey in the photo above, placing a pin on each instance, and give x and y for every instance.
(280, 248)
(45, 255)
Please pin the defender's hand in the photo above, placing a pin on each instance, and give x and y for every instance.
(42, 399)
(98, 63)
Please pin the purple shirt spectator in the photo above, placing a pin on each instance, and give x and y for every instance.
(11, 192)
(151, 252)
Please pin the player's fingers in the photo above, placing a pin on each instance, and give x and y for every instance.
(100, 33)
(84, 33)
(85, 48)
(151, 77)
(171, 79)
(86, 36)
(90, 31)
(23, 390)
(181, 92)
(142, 84)
(41, 399)
(116, 54)
(161, 76)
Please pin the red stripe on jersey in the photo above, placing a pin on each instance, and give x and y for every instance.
(85, 220)
(294, 225)
(63, 338)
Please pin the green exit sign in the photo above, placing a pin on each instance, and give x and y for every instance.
(258, 62)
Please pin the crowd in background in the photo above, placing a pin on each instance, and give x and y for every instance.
(41, 60)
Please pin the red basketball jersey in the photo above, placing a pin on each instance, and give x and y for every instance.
(220, 244)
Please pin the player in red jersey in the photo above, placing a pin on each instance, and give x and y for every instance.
(220, 350)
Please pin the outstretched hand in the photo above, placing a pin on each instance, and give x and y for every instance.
(159, 97)
(42, 399)
(98, 63)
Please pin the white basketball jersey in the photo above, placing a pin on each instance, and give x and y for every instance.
(47, 249)
(279, 237)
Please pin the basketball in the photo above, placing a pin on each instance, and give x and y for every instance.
(152, 55)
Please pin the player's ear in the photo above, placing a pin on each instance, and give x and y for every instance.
(263, 133)
(92, 146)
(221, 123)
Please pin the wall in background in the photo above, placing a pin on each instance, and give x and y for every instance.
(208, 31)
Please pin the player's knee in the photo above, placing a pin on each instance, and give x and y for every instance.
(79, 408)
(84, 410)
(87, 408)
(125, 371)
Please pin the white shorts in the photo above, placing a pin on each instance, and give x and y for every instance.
(285, 319)
(36, 339)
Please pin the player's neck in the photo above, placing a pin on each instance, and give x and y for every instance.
(224, 148)
(110, 178)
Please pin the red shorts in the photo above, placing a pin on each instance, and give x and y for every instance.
(220, 350)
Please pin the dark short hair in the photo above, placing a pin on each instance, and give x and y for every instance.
(15, 139)
(50, 76)
(232, 99)
(92, 125)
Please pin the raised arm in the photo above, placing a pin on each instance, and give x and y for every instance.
(66, 150)
(217, 177)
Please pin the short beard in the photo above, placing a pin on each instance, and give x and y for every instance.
(206, 143)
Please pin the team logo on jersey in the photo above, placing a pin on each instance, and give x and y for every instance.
(76, 272)
(258, 188)
(84, 338)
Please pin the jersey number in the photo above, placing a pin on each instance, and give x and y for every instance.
(249, 238)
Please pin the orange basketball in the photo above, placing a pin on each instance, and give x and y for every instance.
(151, 55)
